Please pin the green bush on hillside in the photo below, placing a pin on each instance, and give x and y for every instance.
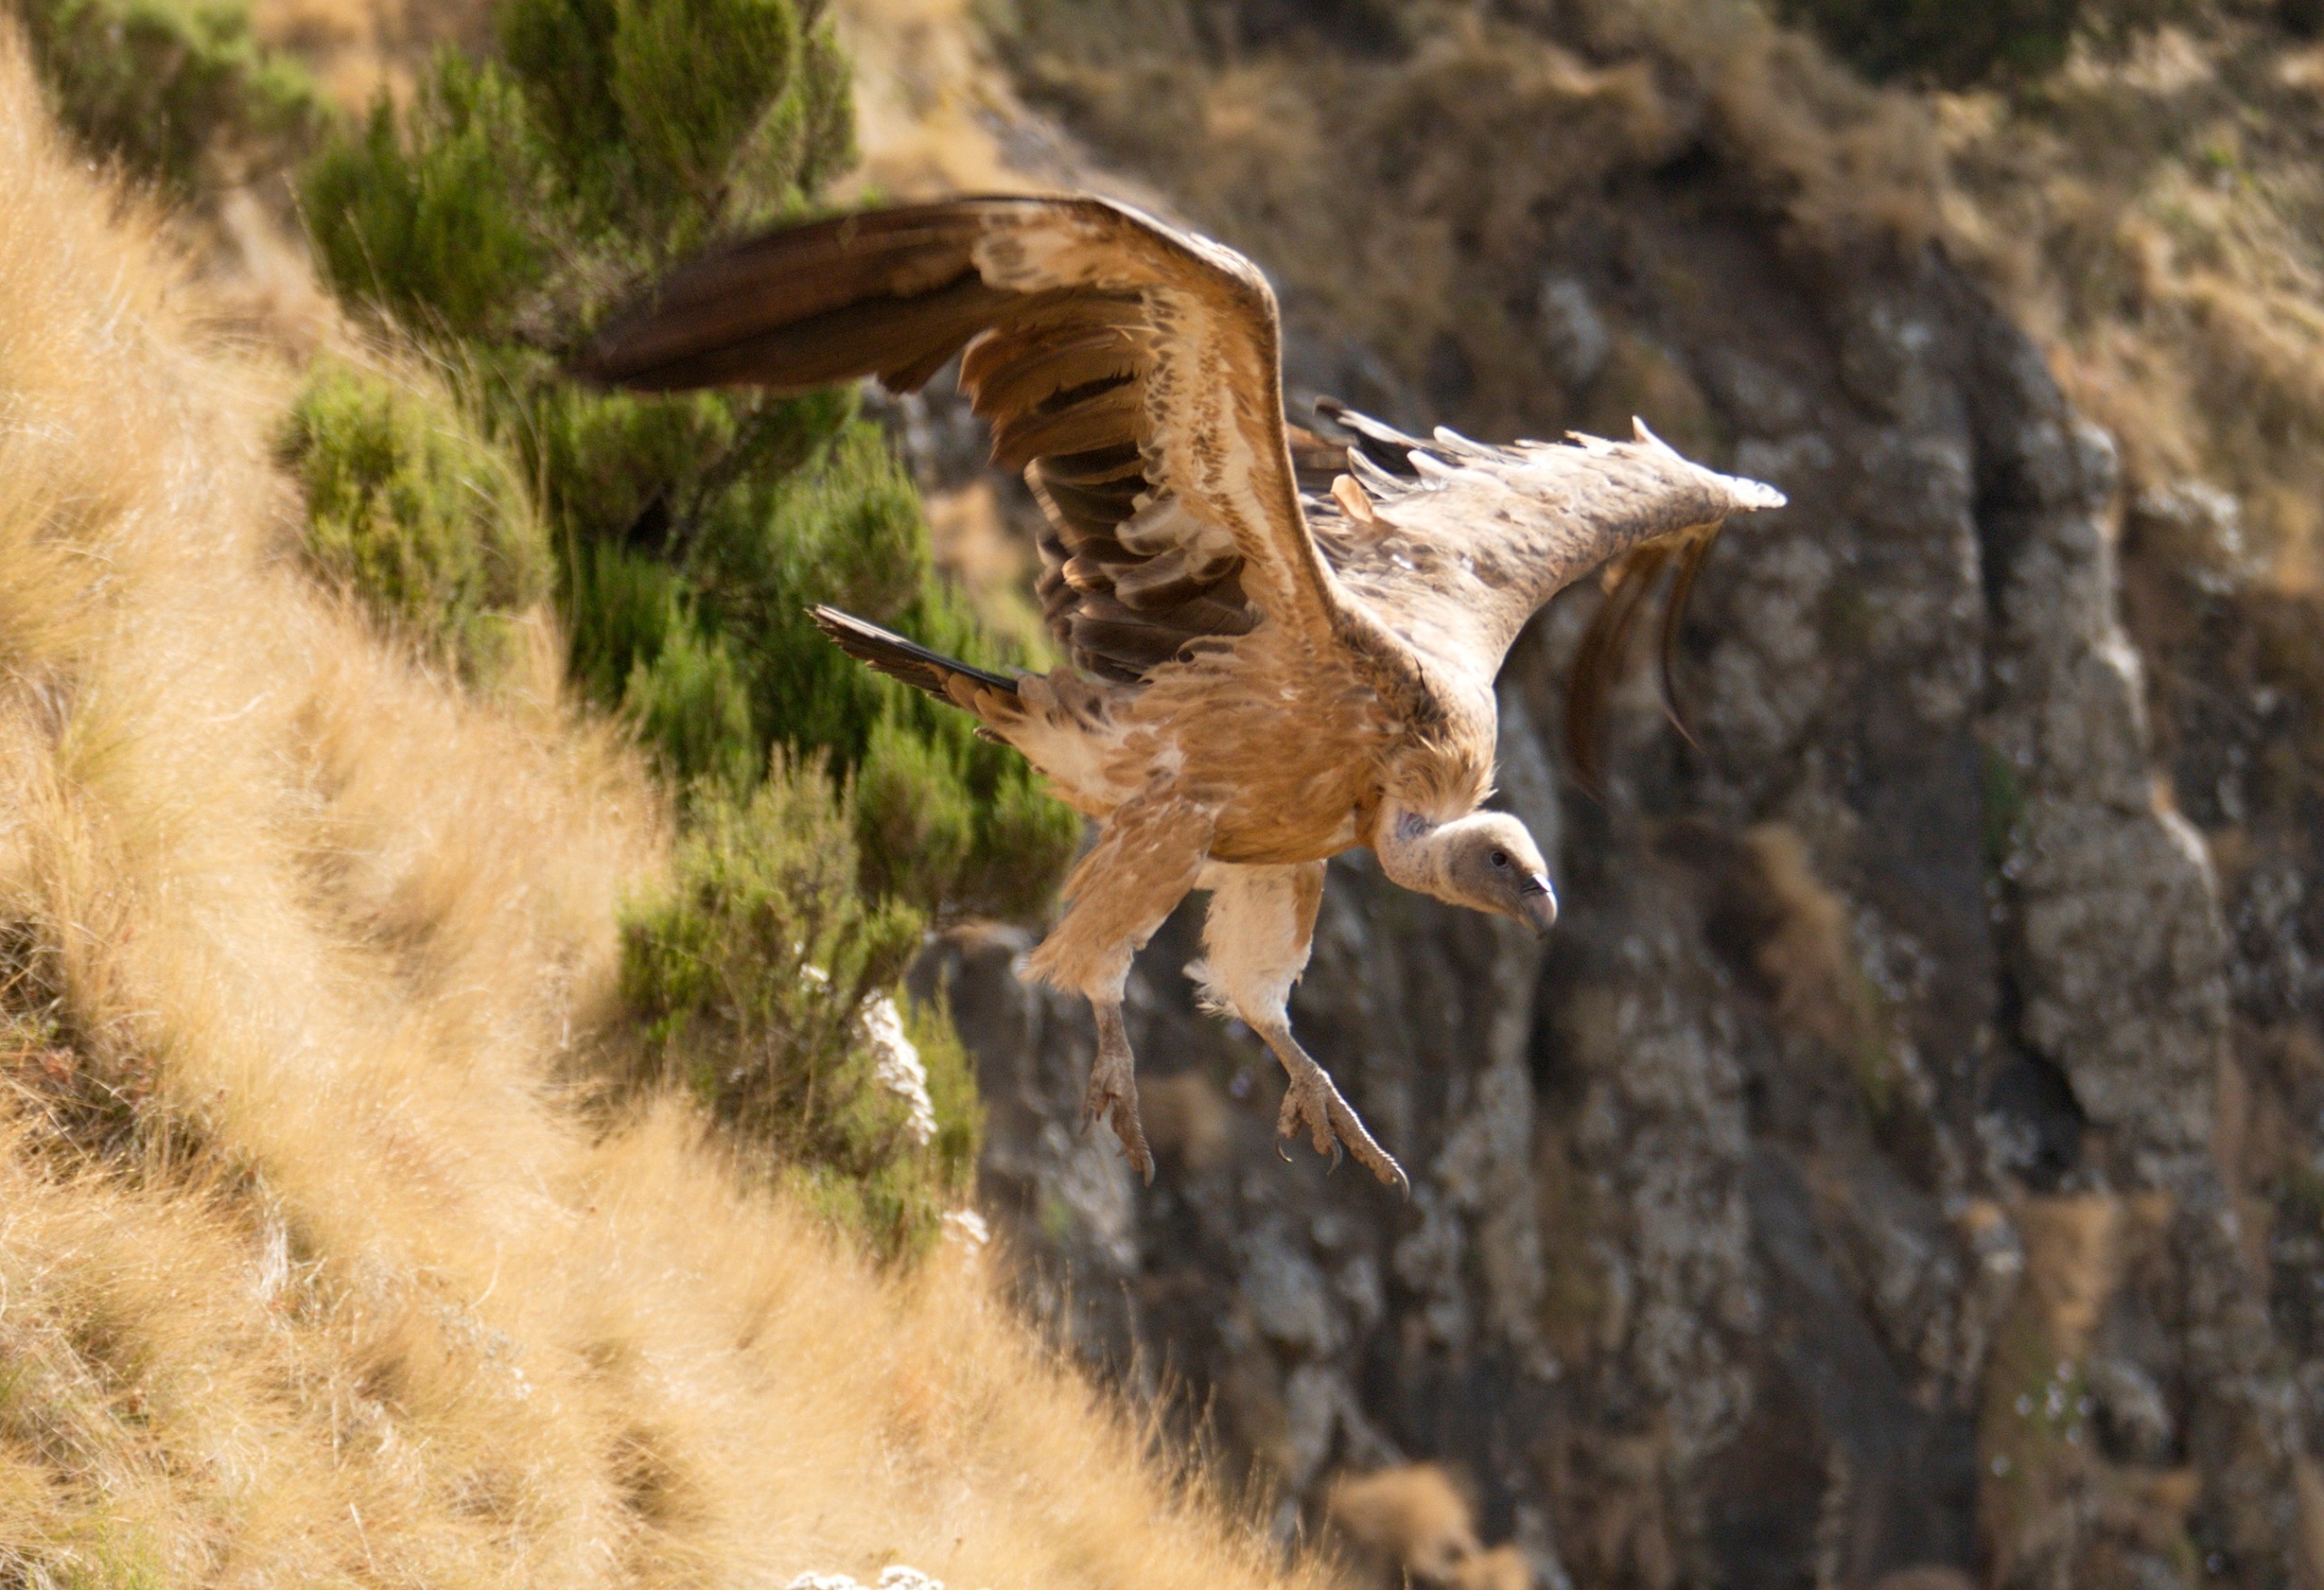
(501, 212)
(761, 975)
(497, 215)
(449, 239)
(408, 506)
(173, 89)
(1955, 44)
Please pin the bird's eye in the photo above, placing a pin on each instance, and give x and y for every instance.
(1500, 858)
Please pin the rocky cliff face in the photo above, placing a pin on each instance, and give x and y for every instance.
(1899, 1157)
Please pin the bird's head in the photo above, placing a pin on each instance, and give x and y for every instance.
(1491, 864)
(1486, 861)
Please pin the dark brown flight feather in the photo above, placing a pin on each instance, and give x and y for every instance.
(1059, 372)
(1602, 657)
(900, 657)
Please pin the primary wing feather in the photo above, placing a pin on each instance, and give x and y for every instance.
(1131, 371)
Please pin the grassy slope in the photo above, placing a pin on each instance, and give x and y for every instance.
(2158, 220)
(308, 1275)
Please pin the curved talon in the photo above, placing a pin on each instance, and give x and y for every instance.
(1312, 1102)
(1121, 1114)
(1113, 1093)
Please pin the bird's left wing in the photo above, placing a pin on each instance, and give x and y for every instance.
(1454, 544)
(1132, 369)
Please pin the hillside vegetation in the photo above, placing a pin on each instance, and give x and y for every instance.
(469, 229)
(453, 915)
(315, 1267)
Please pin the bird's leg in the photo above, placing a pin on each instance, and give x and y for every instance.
(1261, 926)
(1113, 1087)
(1314, 1101)
(1121, 891)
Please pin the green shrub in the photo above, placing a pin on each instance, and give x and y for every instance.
(500, 212)
(497, 215)
(913, 815)
(173, 89)
(439, 220)
(1025, 838)
(758, 975)
(690, 699)
(668, 117)
(414, 511)
(1954, 44)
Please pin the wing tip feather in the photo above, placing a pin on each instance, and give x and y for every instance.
(1744, 495)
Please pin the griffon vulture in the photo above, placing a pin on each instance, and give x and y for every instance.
(1259, 680)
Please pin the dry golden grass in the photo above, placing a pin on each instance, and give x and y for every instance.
(2159, 222)
(929, 102)
(1412, 1525)
(311, 1274)
(359, 48)
(1848, 165)
(1413, 1515)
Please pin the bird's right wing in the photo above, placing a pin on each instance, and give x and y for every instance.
(1132, 371)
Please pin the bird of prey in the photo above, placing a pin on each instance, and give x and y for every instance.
(1259, 679)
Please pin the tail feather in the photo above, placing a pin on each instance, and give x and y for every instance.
(901, 658)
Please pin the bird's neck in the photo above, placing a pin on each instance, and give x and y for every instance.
(1410, 844)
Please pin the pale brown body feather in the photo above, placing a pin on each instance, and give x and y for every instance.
(1259, 681)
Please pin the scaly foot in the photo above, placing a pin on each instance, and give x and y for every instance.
(1113, 1090)
(1314, 1102)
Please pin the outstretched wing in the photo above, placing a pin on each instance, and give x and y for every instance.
(1454, 544)
(1132, 371)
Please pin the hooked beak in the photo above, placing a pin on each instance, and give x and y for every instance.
(1539, 903)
